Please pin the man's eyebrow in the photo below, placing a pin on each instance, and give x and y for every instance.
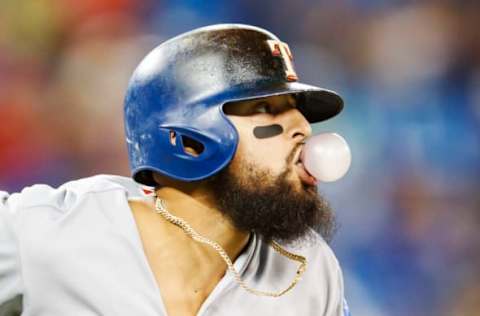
(289, 102)
(261, 101)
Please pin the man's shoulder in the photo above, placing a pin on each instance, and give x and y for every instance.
(68, 194)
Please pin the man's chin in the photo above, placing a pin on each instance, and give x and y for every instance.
(284, 209)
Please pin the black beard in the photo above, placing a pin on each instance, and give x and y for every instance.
(275, 210)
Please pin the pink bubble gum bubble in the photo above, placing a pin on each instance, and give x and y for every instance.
(326, 156)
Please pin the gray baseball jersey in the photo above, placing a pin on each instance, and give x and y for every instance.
(76, 250)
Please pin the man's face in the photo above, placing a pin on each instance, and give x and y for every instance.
(265, 189)
(271, 132)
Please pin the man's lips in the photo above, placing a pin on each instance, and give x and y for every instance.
(302, 172)
(306, 177)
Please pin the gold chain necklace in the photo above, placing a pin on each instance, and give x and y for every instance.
(160, 209)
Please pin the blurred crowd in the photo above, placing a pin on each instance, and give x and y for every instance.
(408, 210)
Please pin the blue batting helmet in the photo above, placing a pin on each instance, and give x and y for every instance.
(176, 95)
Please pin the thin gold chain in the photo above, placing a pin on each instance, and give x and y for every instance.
(160, 209)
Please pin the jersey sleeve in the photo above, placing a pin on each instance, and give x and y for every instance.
(10, 276)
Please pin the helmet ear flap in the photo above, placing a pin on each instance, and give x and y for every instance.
(186, 144)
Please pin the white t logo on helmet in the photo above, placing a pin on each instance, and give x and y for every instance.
(281, 49)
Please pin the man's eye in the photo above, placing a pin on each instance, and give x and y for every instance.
(263, 108)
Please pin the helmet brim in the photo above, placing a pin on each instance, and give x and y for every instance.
(315, 103)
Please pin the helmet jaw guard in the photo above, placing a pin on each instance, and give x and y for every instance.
(176, 95)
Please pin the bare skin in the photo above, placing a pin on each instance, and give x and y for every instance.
(186, 271)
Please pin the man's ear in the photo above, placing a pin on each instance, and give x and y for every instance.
(190, 146)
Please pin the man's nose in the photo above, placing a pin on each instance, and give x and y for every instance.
(296, 125)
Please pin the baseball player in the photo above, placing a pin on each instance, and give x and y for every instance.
(220, 218)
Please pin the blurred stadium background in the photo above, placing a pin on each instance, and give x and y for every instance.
(409, 208)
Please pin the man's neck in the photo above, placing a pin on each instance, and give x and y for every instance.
(200, 212)
(169, 243)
